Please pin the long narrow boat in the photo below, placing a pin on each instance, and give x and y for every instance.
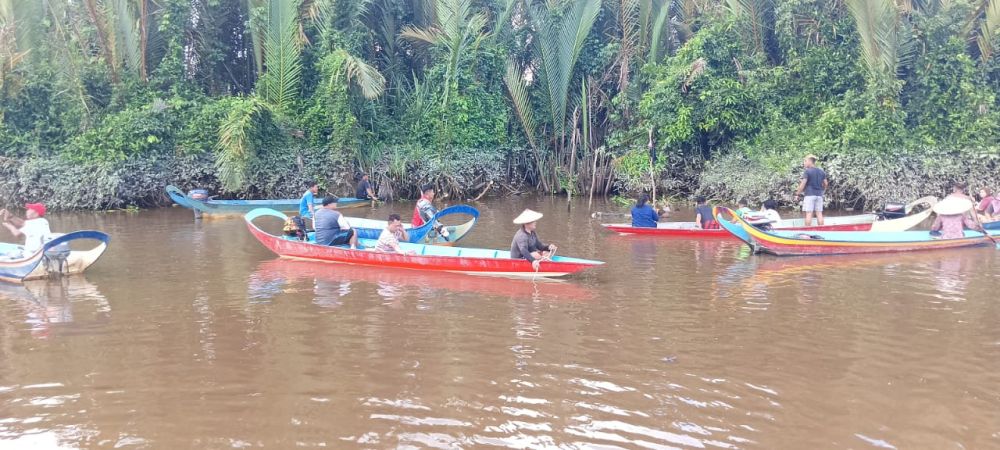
(424, 234)
(471, 261)
(860, 222)
(230, 207)
(53, 258)
(799, 243)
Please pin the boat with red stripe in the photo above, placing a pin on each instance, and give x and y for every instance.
(472, 261)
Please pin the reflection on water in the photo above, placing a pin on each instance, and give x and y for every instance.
(191, 335)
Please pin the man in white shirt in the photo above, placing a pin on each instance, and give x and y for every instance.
(34, 227)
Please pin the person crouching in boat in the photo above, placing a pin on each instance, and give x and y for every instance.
(703, 217)
(388, 240)
(332, 227)
(34, 227)
(643, 214)
(953, 218)
(424, 211)
(526, 244)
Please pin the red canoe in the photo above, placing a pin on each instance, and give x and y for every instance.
(861, 222)
(472, 261)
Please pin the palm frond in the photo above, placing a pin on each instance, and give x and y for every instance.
(126, 35)
(365, 77)
(235, 148)
(989, 30)
(560, 39)
(884, 46)
(517, 88)
(282, 50)
(754, 19)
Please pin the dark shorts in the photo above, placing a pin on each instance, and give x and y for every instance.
(343, 238)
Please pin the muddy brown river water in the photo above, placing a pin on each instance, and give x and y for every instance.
(193, 335)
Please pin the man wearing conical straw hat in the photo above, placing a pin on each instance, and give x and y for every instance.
(526, 244)
(953, 218)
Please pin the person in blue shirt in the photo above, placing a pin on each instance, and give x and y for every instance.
(307, 206)
(643, 214)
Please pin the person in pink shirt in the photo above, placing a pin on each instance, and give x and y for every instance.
(953, 218)
(989, 207)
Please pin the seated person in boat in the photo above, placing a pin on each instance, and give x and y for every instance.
(703, 217)
(526, 244)
(742, 209)
(364, 190)
(643, 214)
(388, 240)
(34, 227)
(307, 205)
(953, 218)
(770, 211)
(424, 211)
(989, 207)
(332, 227)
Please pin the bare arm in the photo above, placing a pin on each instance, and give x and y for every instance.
(13, 229)
(802, 187)
(826, 184)
(406, 236)
(697, 220)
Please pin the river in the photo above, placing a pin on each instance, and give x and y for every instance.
(193, 335)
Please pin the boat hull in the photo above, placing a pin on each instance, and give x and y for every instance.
(427, 257)
(39, 266)
(240, 207)
(692, 232)
(784, 243)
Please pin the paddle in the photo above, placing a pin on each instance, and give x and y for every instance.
(981, 227)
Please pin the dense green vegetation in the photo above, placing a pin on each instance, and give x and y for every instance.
(102, 102)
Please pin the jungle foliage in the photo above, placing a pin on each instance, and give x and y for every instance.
(102, 102)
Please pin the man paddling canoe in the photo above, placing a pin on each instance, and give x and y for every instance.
(526, 244)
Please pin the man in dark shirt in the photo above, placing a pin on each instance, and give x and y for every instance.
(526, 244)
(813, 183)
(364, 190)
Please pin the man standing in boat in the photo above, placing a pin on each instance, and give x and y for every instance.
(813, 183)
(332, 227)
(307, 205)
(424, 211)
(526, 244)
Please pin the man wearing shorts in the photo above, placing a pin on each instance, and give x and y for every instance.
(813, 184)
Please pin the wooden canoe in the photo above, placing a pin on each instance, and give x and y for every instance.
(794, 243)
(860, 222)
(424, 234)
(472, 261)
(240, 207)
(39, 265)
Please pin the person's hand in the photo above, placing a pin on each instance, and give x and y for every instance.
(552, 247)
(444, 232)
(536, 264)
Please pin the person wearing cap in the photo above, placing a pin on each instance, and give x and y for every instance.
(34, 227)
(813, 184)
(424, 211)
(526, 244)
(332, 227)
(953, 218)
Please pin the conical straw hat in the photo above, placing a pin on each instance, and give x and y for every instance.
(952, 205)
(528, 216)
